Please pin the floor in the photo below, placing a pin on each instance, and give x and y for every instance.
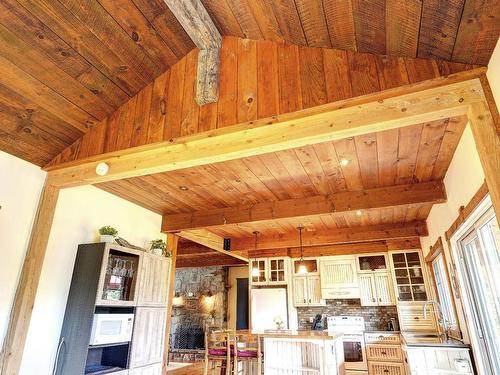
(175, 368)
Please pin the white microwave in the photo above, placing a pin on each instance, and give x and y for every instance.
(111, 328)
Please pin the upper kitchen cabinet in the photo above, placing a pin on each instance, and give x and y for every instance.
(153, 280)
(339, 278)
(372, 263)
(271, 271)
(376, 289)
(409, 277)
(311, 265)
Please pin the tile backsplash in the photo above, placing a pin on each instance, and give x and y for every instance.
(376, 317)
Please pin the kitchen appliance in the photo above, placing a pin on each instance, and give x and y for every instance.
(269, 307)
(111, 328)
(317, 324)
(352, 328)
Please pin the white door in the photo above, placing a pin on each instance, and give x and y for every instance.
(367, 290)
(383, 287)
(300, 291)
(148, 337)
(314, 291)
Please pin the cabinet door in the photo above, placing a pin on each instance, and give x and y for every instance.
(383, 287)
(153, 284)
(148, 337)
(300, 291)
(277, 271)
(367, 290)
(339, 272)
(261, 266)
(147, 370)
(314, 291)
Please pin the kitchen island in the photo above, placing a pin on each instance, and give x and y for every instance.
(302, 352)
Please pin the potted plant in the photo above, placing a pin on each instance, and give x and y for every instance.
(159, 247)
(108, 234)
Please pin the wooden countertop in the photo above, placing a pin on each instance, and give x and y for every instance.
(293, 334)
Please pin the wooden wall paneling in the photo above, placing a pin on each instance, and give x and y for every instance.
(363, 73)
(288, 20)
(138, 28)
(346, 149)
(172, 245)
(223, 17)
(29, 28)
(312, 77)
(126, 124)
(439, 27)
(190, 108)
(340, 21)
(141, 116)
(312, 17)
(158, 110)
(337, 75)
(267, 79)
(421, 69)
(63, 22)
(478, 31)
(369, 22)
(264, 16)
(173, 112)
(22, 307)
(228, 87)
(487, 139)
(243, 13)
(402, 24)
(112, 131)
(430, 142)
(391, 72)
(290, 91)
(247, 80)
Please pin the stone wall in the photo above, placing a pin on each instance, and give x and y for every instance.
(376, 317)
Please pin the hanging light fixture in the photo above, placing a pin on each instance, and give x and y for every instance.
(255, 269)
(302, 270)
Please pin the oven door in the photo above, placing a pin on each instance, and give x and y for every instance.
(354, 352)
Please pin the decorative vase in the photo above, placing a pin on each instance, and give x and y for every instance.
(107, 238)
(157, 251)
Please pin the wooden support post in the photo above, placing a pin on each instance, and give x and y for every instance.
(172, 244)
(487, 138)
(15, 339)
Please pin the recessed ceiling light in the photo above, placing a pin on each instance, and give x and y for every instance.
(344, 162)
(359, 213)
(102, 169)
(184, 188)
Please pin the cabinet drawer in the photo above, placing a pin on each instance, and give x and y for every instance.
(382, 368)
(382, 338)
(390, 353)
(411, 318)
(339, 293)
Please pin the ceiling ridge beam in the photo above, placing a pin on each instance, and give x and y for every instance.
(197, 23)
(336, 203)
(334, 236)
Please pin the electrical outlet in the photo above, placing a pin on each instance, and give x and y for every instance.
(311, 320)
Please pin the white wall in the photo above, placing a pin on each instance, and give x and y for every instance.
(79, 213)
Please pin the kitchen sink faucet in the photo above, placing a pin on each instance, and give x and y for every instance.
(442, 320)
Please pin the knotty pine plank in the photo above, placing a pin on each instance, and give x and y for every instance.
(369, 22)
(402, 27)
(158, 109)
(409, 139)
(247, 80)
(309, 160)
(288, 20)
(207, 119)
(295, 168)
(340, 21)
(228, 83)
(281, 174)
(141, 116)
(267, 79)
(312, 77)
(337, 75)
(260, 170)
(13, 145)
(366, 149)
(430, 143)
(190, 108)
(421, 69)
(126, 124)
(391, 72)
(97, 136)
(243, 13)
(223, 17)
(264, 16)
(312, 17)
(290, 91)
(438, 28)
(387, 156)
(173, 116)
(363, 73)
(112, 131)
(330, 165)
(346, 149)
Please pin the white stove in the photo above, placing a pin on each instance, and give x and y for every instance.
(352, 328)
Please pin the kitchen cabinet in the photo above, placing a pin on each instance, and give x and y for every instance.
(411, 318)
(409, 276)
(307, 291)
(272, 271)
(153, 281)
(311, 265)
(438, 360)
(148, 336)
(339, 278)
(386, 368)
(372, 263)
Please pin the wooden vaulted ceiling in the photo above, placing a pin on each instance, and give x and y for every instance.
(67, 65)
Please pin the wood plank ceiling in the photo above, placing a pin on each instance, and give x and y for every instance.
(418, 153)
(65, 65)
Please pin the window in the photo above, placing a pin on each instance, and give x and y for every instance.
(443, 290)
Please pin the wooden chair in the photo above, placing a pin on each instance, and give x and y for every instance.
(247, 353)
(218, 352)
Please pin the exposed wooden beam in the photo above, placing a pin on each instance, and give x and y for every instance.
(338, 236)
(390, 109)
(210, 240)
(22, 308)
(338, 203)
(197, 23)
(205, 260)
(172, 245)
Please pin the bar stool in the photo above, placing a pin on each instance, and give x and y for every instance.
(218, 351)
(248, 353)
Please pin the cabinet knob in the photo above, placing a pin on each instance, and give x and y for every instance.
(416, 318)
(383, 353)
(309, 300)
(373, 299)
(304, 300)
(380, 299)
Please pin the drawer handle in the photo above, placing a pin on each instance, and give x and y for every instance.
(383, 353)
(386, 370)
(416, 318)
(381, 337)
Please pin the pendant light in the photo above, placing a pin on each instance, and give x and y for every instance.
(302, 270)
(255, 269)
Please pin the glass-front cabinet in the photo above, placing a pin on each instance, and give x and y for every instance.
(265, 271)
(371, 263)
(409, 279)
